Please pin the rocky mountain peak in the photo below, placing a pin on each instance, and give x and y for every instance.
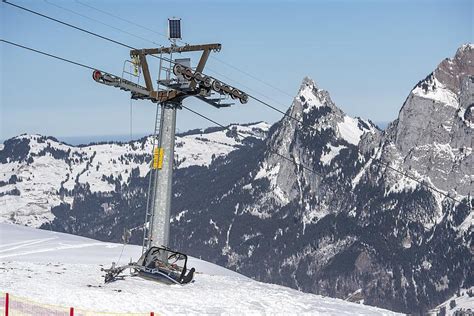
(443, 97)
(433, 132)
(308, 82)
(311, 97)
(321, 119)
(451, 70)
(314, 133)
(464, 53)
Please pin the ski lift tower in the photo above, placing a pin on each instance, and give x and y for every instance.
(177, 80)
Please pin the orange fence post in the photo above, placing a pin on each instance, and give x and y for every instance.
(71, 311)
(7, 298)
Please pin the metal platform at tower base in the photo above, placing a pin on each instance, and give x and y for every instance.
(151, 266)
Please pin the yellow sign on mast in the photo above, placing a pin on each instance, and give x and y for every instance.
(158, 158)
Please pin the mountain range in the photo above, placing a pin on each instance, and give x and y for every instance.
(319, 201)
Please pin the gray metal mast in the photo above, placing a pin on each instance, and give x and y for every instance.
(160, 222)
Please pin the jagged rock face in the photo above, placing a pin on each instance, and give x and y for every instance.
(326, 133)
(433, 134)
(314, 208)
(452, 72)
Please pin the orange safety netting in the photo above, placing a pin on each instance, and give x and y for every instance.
(19, 306)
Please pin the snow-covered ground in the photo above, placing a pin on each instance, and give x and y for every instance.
(351, 131)
(61, 269)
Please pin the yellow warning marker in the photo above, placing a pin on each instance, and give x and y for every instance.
(158, 158)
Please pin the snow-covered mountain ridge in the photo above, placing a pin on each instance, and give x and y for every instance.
(37, 172)
(38, 264)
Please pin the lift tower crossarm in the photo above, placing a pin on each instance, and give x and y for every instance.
(176, 49)
(163, 96)
(138, 91)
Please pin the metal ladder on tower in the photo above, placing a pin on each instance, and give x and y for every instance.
(151, 181)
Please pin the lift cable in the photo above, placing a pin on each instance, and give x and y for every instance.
(69, 25)
(100, 22)
(130, 47)
(152, 42)
(244, 136)
(50, 55)
(252, 76)
(159, 57)
(120, 18)
(247, 88)
(82, 29)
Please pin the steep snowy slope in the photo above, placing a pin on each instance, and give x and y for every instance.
(64, 270)
(37, 172)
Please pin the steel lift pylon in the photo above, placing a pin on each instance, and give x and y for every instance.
(180, 81)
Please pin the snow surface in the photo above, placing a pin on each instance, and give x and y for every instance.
(60, 269)
(357, 178)
(349, 130)
(309, 95)
(200, 149)
(326, 158)
(437, 92)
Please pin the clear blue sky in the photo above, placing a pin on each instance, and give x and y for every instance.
(367, 54)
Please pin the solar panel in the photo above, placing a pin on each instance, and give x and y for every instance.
(174, 28)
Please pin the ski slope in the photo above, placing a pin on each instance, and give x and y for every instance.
(61, 269)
